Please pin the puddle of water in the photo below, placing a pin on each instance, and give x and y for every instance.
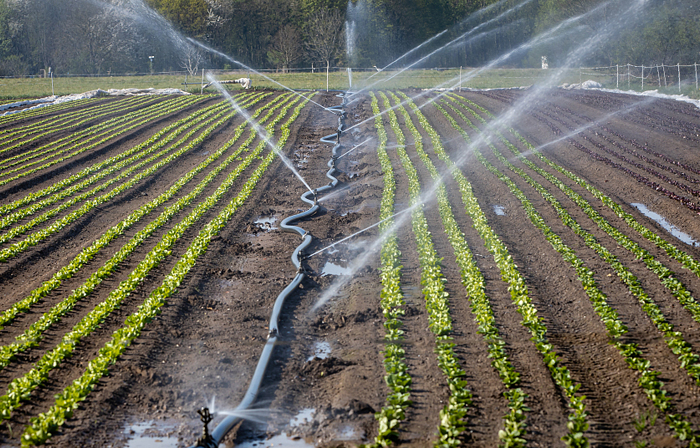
(266, 224)
(322, 350)
(673, 230)
(282, 440)
(146, 435)
(499, 210)
(304, 416)
(334, 269)
(347, 433)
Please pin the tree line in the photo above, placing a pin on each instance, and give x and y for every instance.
(118, 36)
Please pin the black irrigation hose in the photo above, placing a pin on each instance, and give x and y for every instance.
(212, 440)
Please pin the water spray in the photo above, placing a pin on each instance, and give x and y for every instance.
(360, 232)
(229, 58)
(448, 44)
(258, 129)
(356, 146)
(310, 197)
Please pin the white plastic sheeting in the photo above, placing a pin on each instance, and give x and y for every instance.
(592, 85)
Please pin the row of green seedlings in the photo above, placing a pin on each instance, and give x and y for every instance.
(83, 136)
(397, 377)
(46, 110)
(114, 232)
(170, 108)
(32, 336)
(71, 118)
(21, 388)
(519, 293)
(56, 120)
(452, 416)
(41, 235)
(648, 379)
(211, 115)
(61, 123)
(64, 184)
(689, 360)
(685, 259)
(514, 423)
(45, 424)
(155, 143)
(78, 143)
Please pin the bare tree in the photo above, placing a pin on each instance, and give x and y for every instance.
(286, 47)
(190, 59)
(325, 34)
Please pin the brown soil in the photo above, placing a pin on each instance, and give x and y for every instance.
(207, 341)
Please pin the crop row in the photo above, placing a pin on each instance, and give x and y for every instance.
(45, 110)
(62, 186)
(42, 426)
(689, 360)
(397, 377)
(640, 166)
(65, 118)
(648, 160)
(679, 255)
(520, 296)
(20, 388)
(172, 108)
(34, 334)
(648, 379)
(514, 422)
(82, 136)
(201, 121)
(636, 176)
(154, 144)
(114, 232)
(40, 235)
(452, 416)
(666, 276)
(74, 141)
(646, 148)
(634, 143)
(67, 121)
(49, 121)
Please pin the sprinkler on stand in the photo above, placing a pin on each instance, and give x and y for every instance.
(206, 441)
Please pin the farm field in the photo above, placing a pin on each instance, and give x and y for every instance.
(529, 297)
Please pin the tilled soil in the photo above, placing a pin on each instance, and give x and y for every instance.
(204, 347)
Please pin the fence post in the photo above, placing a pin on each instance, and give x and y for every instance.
(679, 77)
(696, 76)
(642, 77)
(328, 67)
(658, 75)
(460, 78)
(663, 67)
(628, 76)
(54, 94)
(201, 90)
(618, 76)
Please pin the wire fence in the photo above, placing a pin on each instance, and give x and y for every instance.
(681, 78)
(645, 77)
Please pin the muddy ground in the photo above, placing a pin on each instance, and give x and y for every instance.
(203, 348)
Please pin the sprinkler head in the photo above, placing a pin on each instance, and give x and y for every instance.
(315, 192)
(206, 440)
(338, 136)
